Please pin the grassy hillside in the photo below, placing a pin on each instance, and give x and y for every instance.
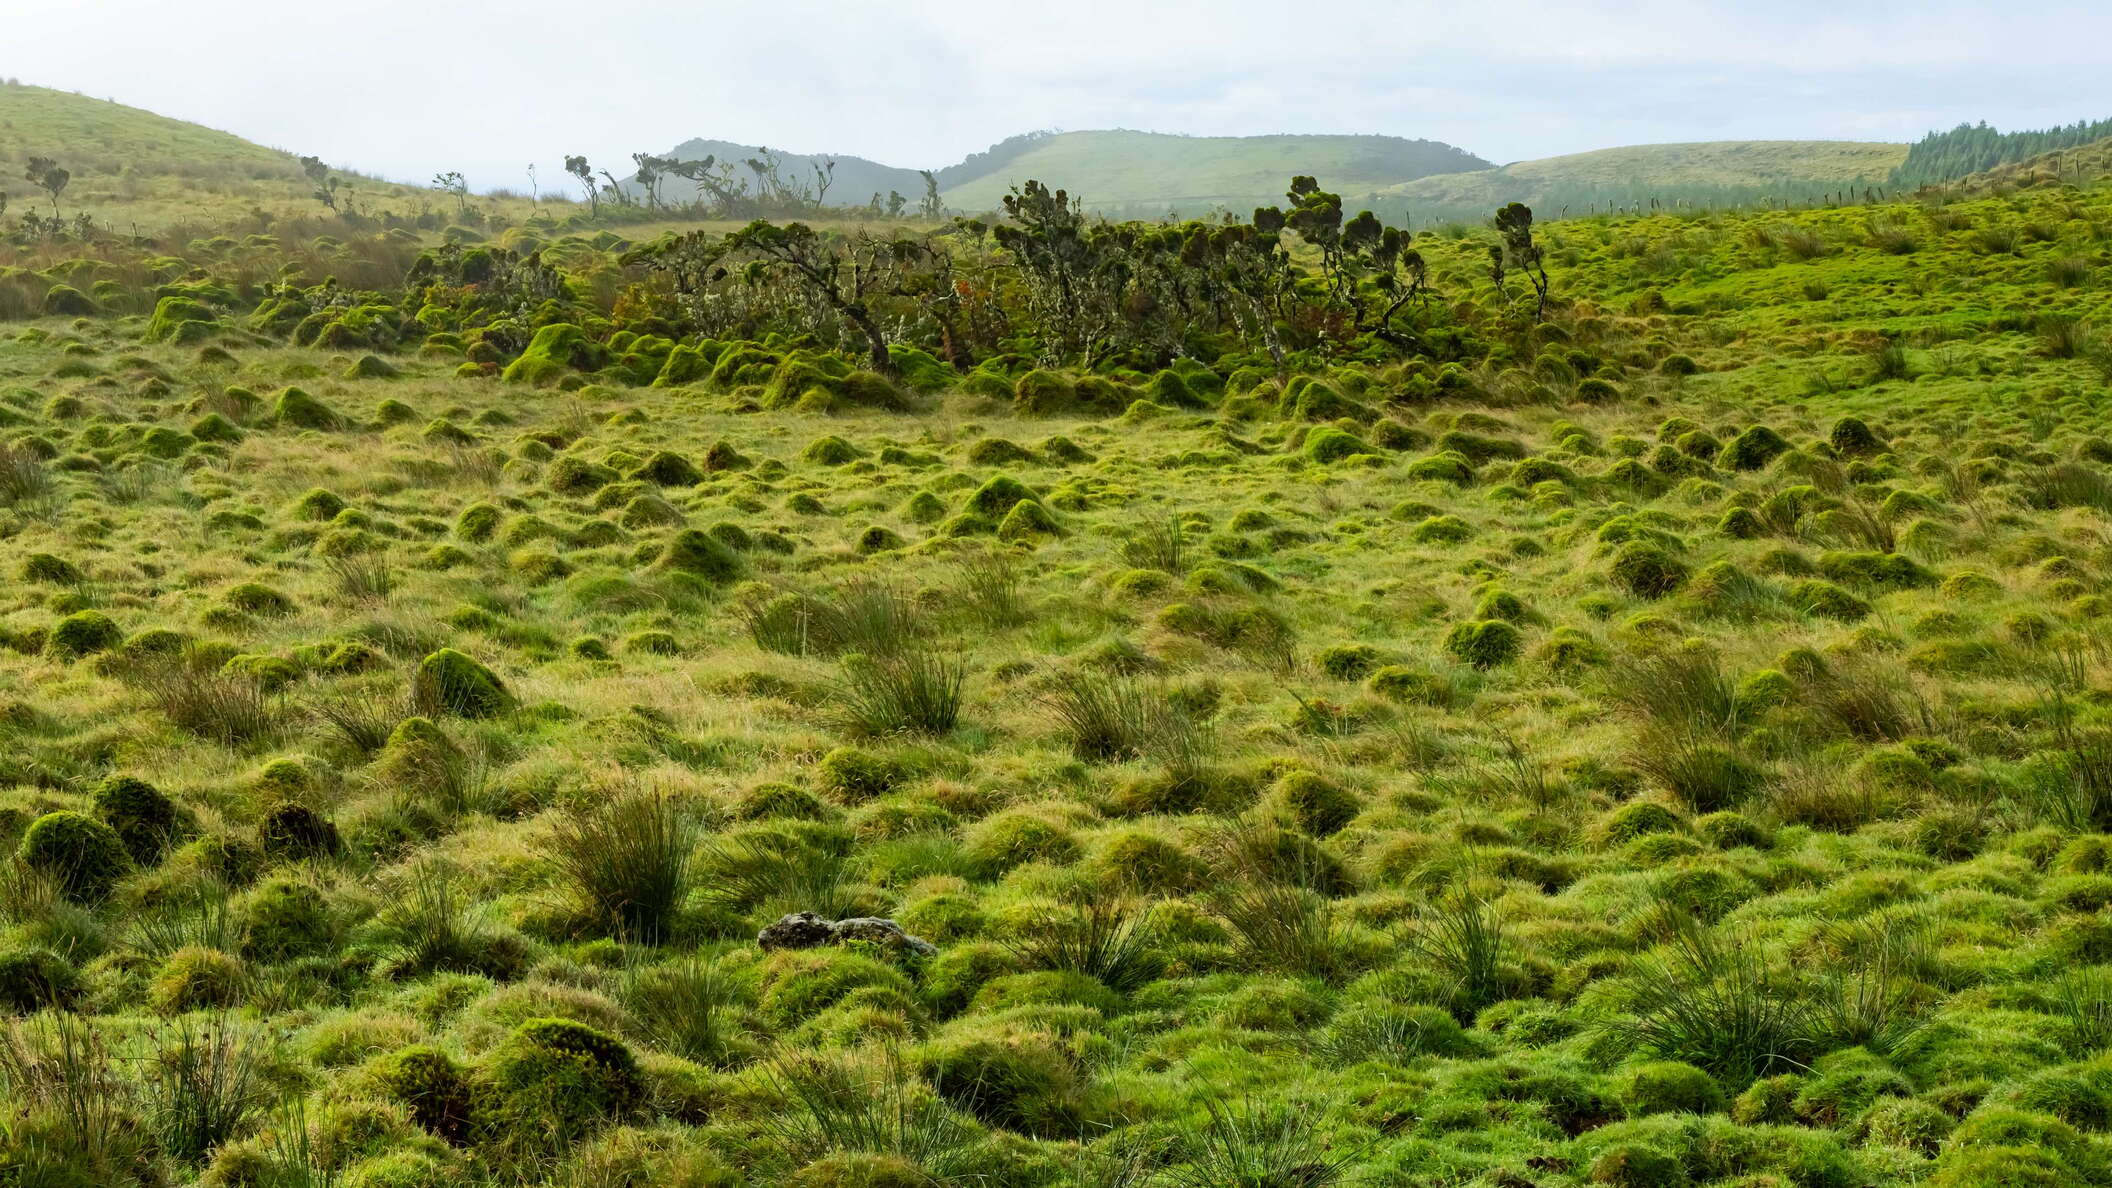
(2083, 162)
(1147, 174)
(1721, 172)
(1667, 745)
(135, 169)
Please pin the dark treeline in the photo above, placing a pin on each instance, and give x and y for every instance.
(1970, 148)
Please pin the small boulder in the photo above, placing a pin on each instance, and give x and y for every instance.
(805, 930)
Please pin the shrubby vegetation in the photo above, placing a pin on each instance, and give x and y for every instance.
(1615, 701)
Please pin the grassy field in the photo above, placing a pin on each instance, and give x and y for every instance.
(1664, 745)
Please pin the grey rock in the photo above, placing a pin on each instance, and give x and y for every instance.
(805, 930)
(800, 930)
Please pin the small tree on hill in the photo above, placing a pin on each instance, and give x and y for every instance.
(578, 167)
(45, 174)
(931, 208)
(650, 170)
(1514, 223)
(452, 182)
(320, 177)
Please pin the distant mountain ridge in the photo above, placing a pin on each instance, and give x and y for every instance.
(854, 181)
(1152, 173)
(1128, 174)
(1117, 172)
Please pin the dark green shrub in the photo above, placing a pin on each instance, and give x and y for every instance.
(283, 918)
(1484, 643)
(295, 831)
(1668, 1086)
(1753, 449)
(1648, 570)
(83, 633)
(449, 681)
(1347, 662)
(50, 569)
(84, 856)
(35, 979)
(855, 775)
(1020, 1080)
(698, 553)
(555, 1081)
(1852, 438)
(296, 409)
(198, 978)
(144, 819)
(431, 1086)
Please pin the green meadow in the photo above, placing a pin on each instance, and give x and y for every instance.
(1316, 708)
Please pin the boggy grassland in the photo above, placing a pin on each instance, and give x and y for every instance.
(1660, 744)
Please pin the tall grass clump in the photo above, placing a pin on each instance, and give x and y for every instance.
(1714, 1002)
(365, 577)
(992, 587)
(912, 691)
(1160, 543)
(690, 1006)
(770, 874)
(864, 615)
(2063, 336)
(1889, 361)
(2082, 1001)
(2069, 785)
(1105, 938)
(198, 916)
(1800, 242)
(1254, 1143)
(205, 1085)
(628, 862)
(1104, 716)
(70, 1106)
(866, 1102)
(430, 926)
(1461, 935)
(1285, 928)
(229, 708)
(361, 719)
(24, 480)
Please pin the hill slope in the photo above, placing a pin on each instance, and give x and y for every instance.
(135, 169)
(1702, 172)
(2081, 163)
(1147, 173)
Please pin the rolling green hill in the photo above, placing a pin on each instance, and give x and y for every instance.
(1710, 172)
(1147, 173)
(2080, 163)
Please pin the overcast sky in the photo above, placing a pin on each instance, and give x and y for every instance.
(405, 88)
